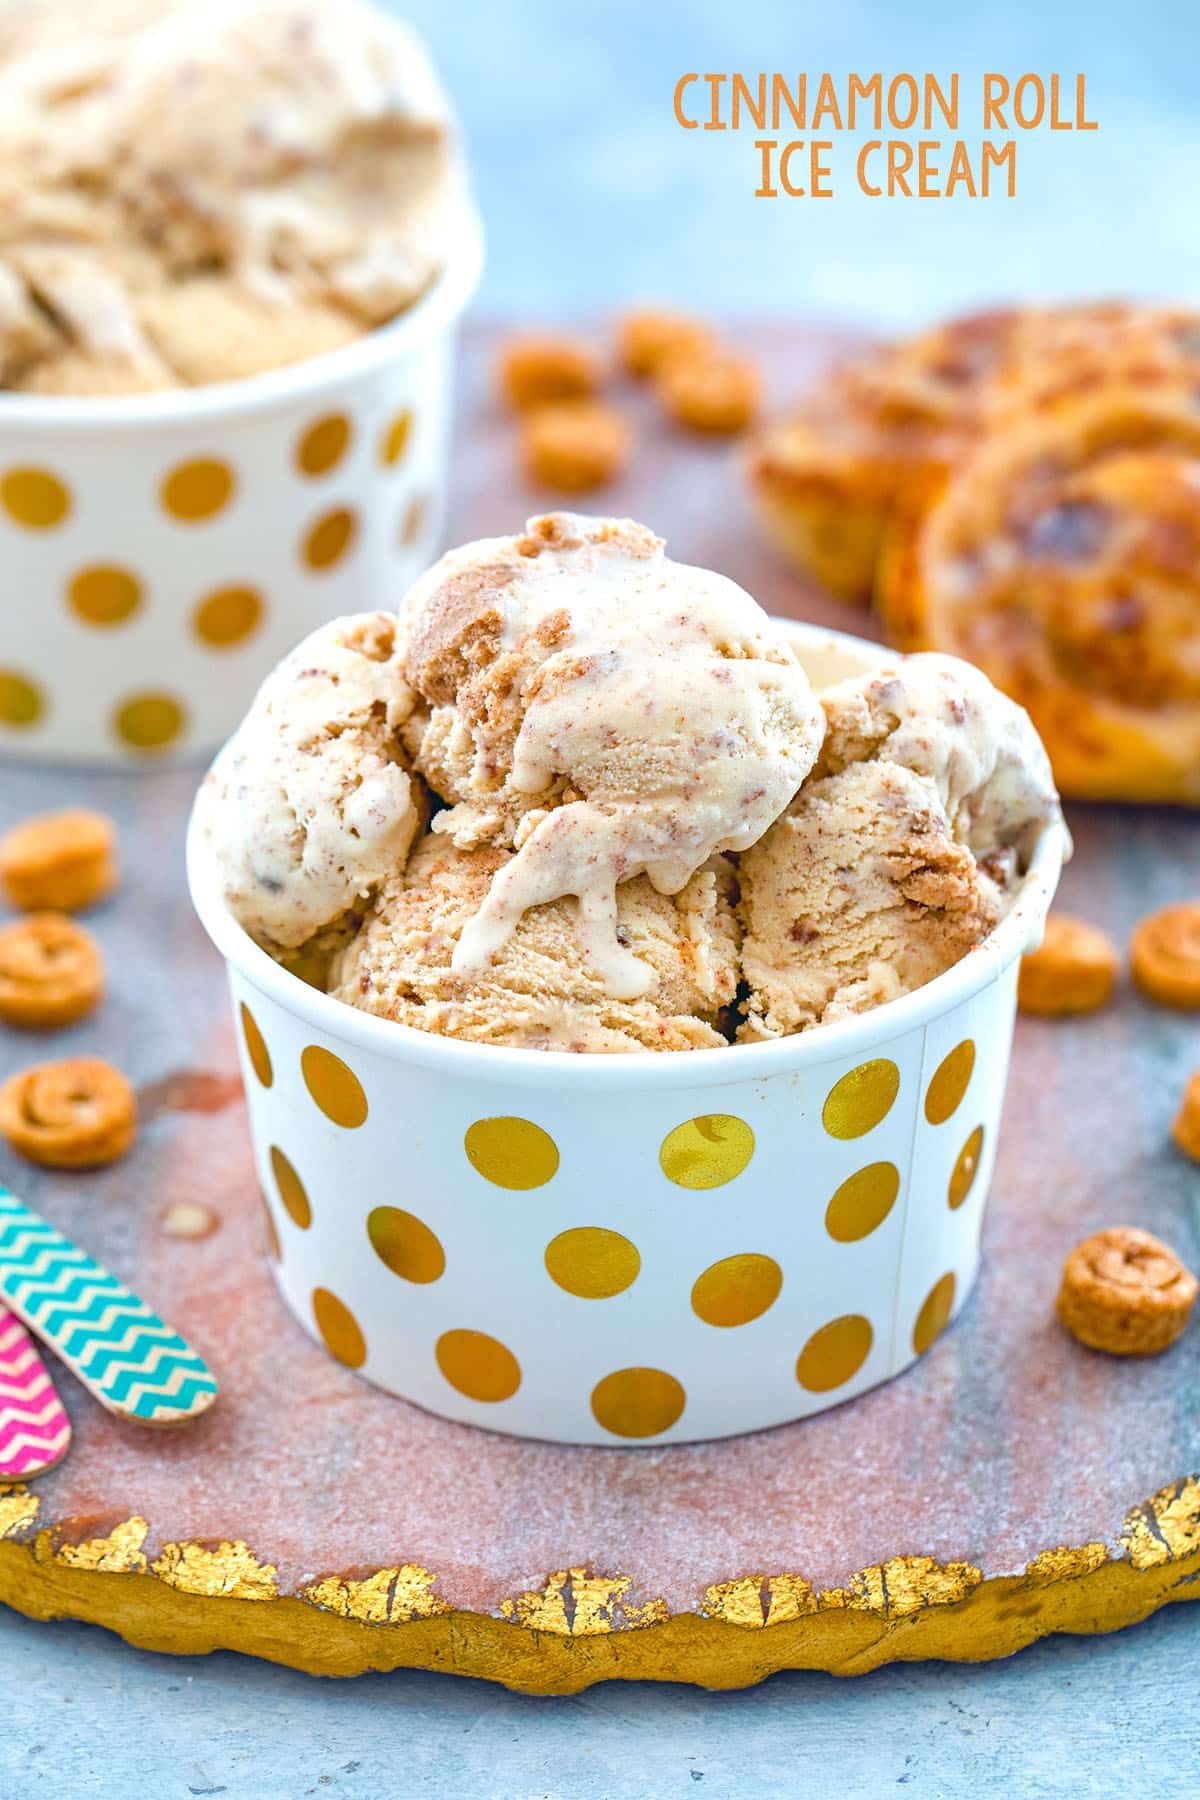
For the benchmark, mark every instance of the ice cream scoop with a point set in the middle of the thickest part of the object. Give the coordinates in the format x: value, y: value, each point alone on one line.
x: 542, y: 991
x: 305, y: 134
x: 606, y: 712
x: 942, y: 718
x: 310, y: 805
x: 299, y: 152
x: 900, y: 854
x: 858, y: 894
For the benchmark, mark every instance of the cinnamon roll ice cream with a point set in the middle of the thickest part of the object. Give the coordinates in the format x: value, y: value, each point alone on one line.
x: 542, y: 989
x: 196, y: 190
x: 645, y: 829
x: 900, y: 854
x: 603, y: 711
x: 312, y: 802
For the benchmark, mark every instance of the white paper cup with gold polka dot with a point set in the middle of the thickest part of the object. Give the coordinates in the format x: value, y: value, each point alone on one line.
x: 162, y: 552
x: 633, y: 1248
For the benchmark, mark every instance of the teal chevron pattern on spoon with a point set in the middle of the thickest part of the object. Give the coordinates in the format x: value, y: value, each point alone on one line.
x: 120, y: 1350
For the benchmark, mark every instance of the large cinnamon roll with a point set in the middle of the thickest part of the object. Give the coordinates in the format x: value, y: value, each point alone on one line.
x: 827, y: 477
x: 1061, y: 553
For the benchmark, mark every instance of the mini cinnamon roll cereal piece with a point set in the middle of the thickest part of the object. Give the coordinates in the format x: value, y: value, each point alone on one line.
x: 574, y: 445
x: 51, y: 972
x: 1165, y: 956
x: 537, y: 367
x: 648, y: 338
x: 77, y: 1114
x: 716, y: 392
x: 1126, y: 1292
x: 189, y: 1219
x: 1073, y: 970
x: 1186, y: 1129
x: 59, y: 861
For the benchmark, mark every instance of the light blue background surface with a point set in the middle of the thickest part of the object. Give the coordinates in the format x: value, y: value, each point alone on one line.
x: 593, y: 195
x: 592, y: 192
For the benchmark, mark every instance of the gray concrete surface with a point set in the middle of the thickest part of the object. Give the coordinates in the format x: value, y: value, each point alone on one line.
x: 1071, y: 1717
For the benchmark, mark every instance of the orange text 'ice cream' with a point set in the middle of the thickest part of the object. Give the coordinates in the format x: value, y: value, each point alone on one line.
x: 607, y: 712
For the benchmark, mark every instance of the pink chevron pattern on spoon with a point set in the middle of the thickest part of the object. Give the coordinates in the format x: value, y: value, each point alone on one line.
x: 35, y: 1432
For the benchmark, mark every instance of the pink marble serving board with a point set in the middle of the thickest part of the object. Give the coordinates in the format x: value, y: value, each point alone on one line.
x: 1007, y: 1439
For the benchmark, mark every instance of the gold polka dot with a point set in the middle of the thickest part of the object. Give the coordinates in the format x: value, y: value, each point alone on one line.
x: 512, y: 1153
x: 291, y: 1190
x: 834, y: 1353
x: 323, y: 445
x: 737, y: 1289
x: 592, y: 1263
x: 334, y: 1086
x: 706, y: 1152
x: 857, y: 1103
x: 395, y: 438
x: 104, y: 594
x: 227, y: 617
x: 328, y: 540
x: 35, y: 498
x: 271, y: 1233
x: 412, y: 522
x: 405, y: 1244
x: 637, y: 1403
x: 339, y: 1328
x: 197, y: 490
x: 950, y: 1081
x: 21, y: 701
x: 965, y: 1170
x: 862, y: 1203
x: 256, y: 1047
x: 478, y: 1366
x: 931, y: 1320
x: 149, y: 721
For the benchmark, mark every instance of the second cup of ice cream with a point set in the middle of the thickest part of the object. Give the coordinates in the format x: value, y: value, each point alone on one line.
x: 229, y: 354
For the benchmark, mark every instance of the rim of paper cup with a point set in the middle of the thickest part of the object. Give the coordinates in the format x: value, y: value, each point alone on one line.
x: 313, y: 376
x: 719, y: 1066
